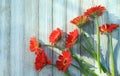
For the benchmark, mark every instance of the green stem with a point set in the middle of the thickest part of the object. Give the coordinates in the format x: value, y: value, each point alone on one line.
x: 78, y: 59
x: 112, y: 55
x: 87, y: 39
x: 73, y: 55
x: 93, y: 53
x: 83, y: 66
x: 53, y: 46
x: 94, y: 56
x: 89, y: 43
x: 67, y: 72
x: 81, y: 69
x: 98, y: 42
x: 80, y: 62
x: 89, y: 51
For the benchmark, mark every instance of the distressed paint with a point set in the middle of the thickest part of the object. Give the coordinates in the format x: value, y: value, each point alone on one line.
x: 5, y: 37
x: 73, y: 10
x: 22, y: 19
x: 31, y: 29
x: 59, y: 21
x: 45, y: 27
x: 17, y: 38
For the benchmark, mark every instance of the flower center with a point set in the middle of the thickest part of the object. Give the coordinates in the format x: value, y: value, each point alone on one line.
x: 65, y: 61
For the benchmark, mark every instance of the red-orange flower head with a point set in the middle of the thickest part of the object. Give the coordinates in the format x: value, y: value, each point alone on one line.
x: 108, y: 28
x: 80, y: 20
x: 96, y: 10
x: 41, y: 60
x: 55, y: 36
x: 34, y: 44
x: 64, y: 61
x: 72, y: 38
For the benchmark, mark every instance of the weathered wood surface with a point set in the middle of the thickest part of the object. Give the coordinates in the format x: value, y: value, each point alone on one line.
x: 22, y: 19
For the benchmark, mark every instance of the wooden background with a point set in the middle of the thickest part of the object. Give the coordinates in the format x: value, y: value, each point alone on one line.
x: 22, y: 19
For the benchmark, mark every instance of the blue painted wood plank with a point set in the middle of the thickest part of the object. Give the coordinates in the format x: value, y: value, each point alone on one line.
x: 59, y: 21
x: 31, y: 29
x: 17, y: 38
x: 117, y: 54
x: 5, y: 37
x: 45, y: 27
x: 115, y: 38
x: 114, y: 17
x: 73, y: 10
x: 103, y: 38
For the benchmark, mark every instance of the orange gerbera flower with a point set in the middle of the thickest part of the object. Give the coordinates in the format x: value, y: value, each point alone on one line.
x: 55, y: 36
x: 108, y: 28
x: 41, y: 60
x: 71, y: 38
x: 34, y: 44
x: 64, y: 61
x: 80, y: 20
x: 96, y: 10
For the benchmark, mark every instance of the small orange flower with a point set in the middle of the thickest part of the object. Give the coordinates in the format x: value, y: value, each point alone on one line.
x: 41, y: 60
x: 112, y: 27
x: 55, y: 36
x: 103, y: 28
x: 108, y: 28
x: 71, y: 38
x: 96, y: 10
x: 80, y: 20
x: 34, y: 44
x: 64, y: 61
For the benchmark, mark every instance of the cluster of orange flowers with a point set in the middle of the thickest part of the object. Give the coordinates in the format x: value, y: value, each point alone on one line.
x: 41, y: 58
x: 92, y: 12
x: 65, y: 60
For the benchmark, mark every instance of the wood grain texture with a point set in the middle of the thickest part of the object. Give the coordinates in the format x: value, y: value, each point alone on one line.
x: 5, y: 37
x: 31, y: 29
x: 45, y: 27
x: 59, y: 21
x: 17, y: 38
x: 104, y: 48
x: 22, y: 19
x: 73, y: 10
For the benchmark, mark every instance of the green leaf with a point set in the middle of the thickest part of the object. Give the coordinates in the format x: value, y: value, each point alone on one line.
x: 94, y: 55
x: 83, y: 65
x: 89, y: 43
x: 81, y: 70
x: 68, y: 73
